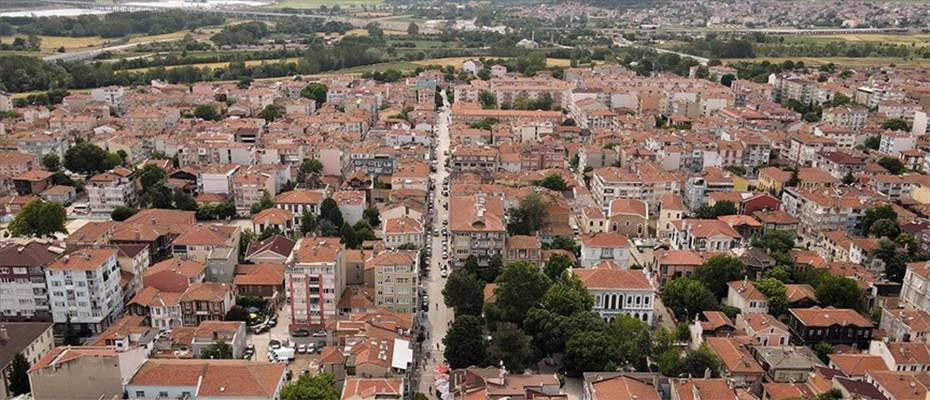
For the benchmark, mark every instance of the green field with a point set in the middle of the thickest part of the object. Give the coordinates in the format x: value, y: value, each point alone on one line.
x: 908, y: 39
x: 841, y: 61
x: 329, y: 3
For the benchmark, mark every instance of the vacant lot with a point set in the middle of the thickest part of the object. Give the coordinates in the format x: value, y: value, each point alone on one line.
x: 328, y: 3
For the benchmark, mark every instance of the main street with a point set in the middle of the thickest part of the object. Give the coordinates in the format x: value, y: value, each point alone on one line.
x: 439, y: 316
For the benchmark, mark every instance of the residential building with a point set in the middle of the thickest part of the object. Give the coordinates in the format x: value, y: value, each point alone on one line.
x: 315, y: 280
x: 704, y: 235
x: 607, y: 246
x: 396, y: 277
x: 84, y: 372
x: 403, y: 231
x: 207, y: 301
x: 835, y: 326
x: 23, y: 291
x: 84, y: 287
x: 523, y: 248
x: 163, y: 309
x: 31, y: 339
x: 477, y: 228
x: 744, y: 296
x: 108, y: 190
x: 207, y: 379
x: 618, y: 291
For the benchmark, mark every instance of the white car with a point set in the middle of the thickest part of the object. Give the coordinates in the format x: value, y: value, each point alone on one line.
x: 444, y: 274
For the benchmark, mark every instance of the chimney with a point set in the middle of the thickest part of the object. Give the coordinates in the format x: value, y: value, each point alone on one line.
x: 4, y: 334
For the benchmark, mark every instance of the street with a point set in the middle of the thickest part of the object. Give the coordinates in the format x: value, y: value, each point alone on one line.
x: 439, y: 316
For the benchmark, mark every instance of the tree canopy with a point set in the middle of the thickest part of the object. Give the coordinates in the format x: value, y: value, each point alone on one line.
x: 38, y: 219
x: 719, y: 270
x: 520, y: 287
x: 686, y: 297
x: 311, y: 387
x: 464, y: 343
x: 464, y: 293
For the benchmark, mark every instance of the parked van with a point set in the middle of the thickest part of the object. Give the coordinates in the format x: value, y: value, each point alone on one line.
x: 284, y: 354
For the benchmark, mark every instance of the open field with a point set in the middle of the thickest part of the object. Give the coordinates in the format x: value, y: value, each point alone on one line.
x: 910, y: 39
x: 222, y: 64
x: 364, y: 32
x: 842, y: 61
x: 457, y: 61
x: 50, y: 44
x: 317, y: 3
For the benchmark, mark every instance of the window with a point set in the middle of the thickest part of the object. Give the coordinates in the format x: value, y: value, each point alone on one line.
x: 140, y: 393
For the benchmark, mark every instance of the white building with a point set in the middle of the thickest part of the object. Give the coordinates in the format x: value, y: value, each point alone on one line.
x: 85, y: 285
x: 108, y: 190
x: 914, y: 289
x: 112, y: 95
x: 401, y: 231
x: 217, y: 178
x: 605, y: 246
x: 207, y: 379
x: 315, y: 280
x: 894, y: 142
x: 619, y: 291
x: 744, y: 295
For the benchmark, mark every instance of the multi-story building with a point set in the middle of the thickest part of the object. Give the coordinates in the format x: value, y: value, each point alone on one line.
x: 402, y: 231
x: 895, y: 142
x: 31, y: 339
x: 523, y: 248
x: 810, y: 326
x: 704, y: 235
x: 315, y: 280
x: 23, y: 294
x: 824, y: 209
x: 474, y: 158
x: 646, y: 182
x: 206, y: 379
x: 207, y: 301
x: 605, y: 246
x: 915, y: 289
x: 396, y: 278
x: 84, y: 287
x: 618, y: 291
x: 850, y: 117
x: 163, y: 309
x: 477, y: 228
x: 109, y: 190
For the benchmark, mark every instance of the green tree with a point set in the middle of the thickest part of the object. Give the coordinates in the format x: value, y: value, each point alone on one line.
x: 51, y: 162
x: 876, y: 213
x: 885, y: 228
x: 263, y: 203
x: 329, y: 211
x: 556, y: 265
x: 464, y: 293
x: 183, y: 201
x: 775, y: 242
x: 271, y: 112
x: 700, y: 360
x: 568, y: 296
x: 413, y: 29
x: 894, y: 259
x: 372, y: 215
x: 348, y: 236
x: 218, y: 350
x: 311, y: 387
x: 86, y: 158
x: 873, y: 142
x: 363, y: 232
x: 493, y: 269
x: 71, y: 337
x: 207, y: 112
x: 151, y: 175
x: 633, y: 341
x: 38, y: 219
x: 464, y: 343
x: 588, y: 351
x: 121, y: 213
x: 687, y: 297
x: 246, y: 237
x: 823, y: 351
x: 315, y: 91
x: 896, y: 124
x: 893, y: 165
x: 520, y: 287
x: 552, y: 182
x: 374, y: 31
x: 510, y: 346
x: 311, y: 166
x: 19, y: 375
x: 777, y: 297
x: 719, y: 270
x: 780, y: 273
x: 487, y: 99
x: 840, y: 292
x: 308, y: 222
x: 718, y: 209
x: 528, y: 216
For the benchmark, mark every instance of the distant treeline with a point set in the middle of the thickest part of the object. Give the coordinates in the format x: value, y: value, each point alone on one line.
x: 251, y: 33
x: 113, y: 25
x: 759, y: 45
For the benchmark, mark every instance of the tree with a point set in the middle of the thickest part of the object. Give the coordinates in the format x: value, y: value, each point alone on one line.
x: 840, y: 292
x: 873, y: 142
x: 510, y: 346
x: 413, y: 29
x: 698, y: 361
x: 246, y: 237
x: 493, y: 269
x: 374, y: 31
x: 893, y: 165
x: 876, y: 213
x: 567, y: 296
x: 885, y: 228
x: 329, y: 211
x: 777, y: 296
x: 308, y: 222
x: 464, y: 293
x: 528, y: 216
x: 727, y: 79
x: 719, y: 270
x: 487, y: 99
x: 633, y: 342
x: 464, y: 342
x: 556, y: 265
x: 552, y: 182
x: 566, y: 243
x: 348, y: 236
x: 895, y: 260
x: 311, y: 387
x: 588, y: 351
x: 70, y: 335
x: 687, y: 297
x: 372, y: 215
x: 896, y: 124
x: 39, y: 218
x: 51, y: 162
x: 823, y: 351
x: 207, y: 112
x: 520, y: 287
x: 269, y: 231
x: 472, y: 265
x: 718, y: 209
x: 315, y: 91
x: 122, y: 213
x: 779, y: 273
x: 85, y: 158
x: 311, y: 166
x: 264, y: 203
x: 19, y: 375
x: 218, y: 350
x: 793, y: 179
x: 271, y: 112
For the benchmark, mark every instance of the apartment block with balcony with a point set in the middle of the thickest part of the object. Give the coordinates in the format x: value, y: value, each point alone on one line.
x: 85, y: 287
x: 315, y: 280
x: 108, y: 190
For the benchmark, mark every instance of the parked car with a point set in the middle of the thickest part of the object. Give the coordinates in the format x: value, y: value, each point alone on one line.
x: 445, y: 273
x: 319, y: 333
x: 302, y: 349
x: 301, y: 333
x: 274, y: 344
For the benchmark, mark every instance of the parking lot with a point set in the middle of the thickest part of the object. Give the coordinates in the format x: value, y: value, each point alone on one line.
x: 302, y: 362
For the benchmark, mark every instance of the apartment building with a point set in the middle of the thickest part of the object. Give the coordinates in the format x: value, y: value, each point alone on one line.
x: 206, y: 301
x: 477, y: 227
x: 647, y: 182
x: 605, y: 246
x: 108, y: 190
x: 850, y: 117
x: 315, y: 280
x: 23, y: 294
x: 396, y: 278
x: 85, y: 287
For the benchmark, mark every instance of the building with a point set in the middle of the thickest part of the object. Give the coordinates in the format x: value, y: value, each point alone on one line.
x: 646, y: 182
x: 477, y: 228
x: 902, y: 356
x: 84, y: 287
x: 163, y: 309
x: 396, y: 280
x: 264, y: 280
x: 275, y: 249
x: 671, y: 264
x: 372, y: 389
x: 744, y: 295
x: 207, y: 379
x: 83, y: 373
x: 783, y: 364
x: 741, y: 370
x: 609, y: 246
x: 108, y: 190
x: 403, y: 231
x: 629, y: 217
x: 810, y: 326
x: 704, y: 235
x: 207, y: 301
x: 914, y: 290
x: 23, y: 291
x: 523, y: 248
x: 905, y: 324
x: 31, y: 339
x: 618, y: 291
x: 315, y: 281
x: 616, y: 386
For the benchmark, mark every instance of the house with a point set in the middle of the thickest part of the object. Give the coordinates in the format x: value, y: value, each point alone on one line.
x: 906, y: 325
x: 523, y: 248
x: 629, y: 217
x: 206, y: 301
x: 473, y: 66
x: 800, y: 295
x: 764, y: 329
x: 855, y: 366
x: 276, y: 219
x: 200, y: 242
x: 830, y: 325
x: 744, y: 295
x: 207, y: 379
x: 264, y: 280
x: 902, y: 356
x: 403, y: 231
x: 914, y: 290
x: 616, y: 386
x: 84, y: 287
x: 163, y: 309
x: 699, y: 389
x: 396, y: 277
x: 174, y: 275
x: 784, y: 364
x: 32, y: 182
x: 352, y: 204
x: 497, y: 383
x: 275, y: 249
x: 710, y: 324
x: 618, y: 291
x: 671, y: 209
x: 83, y: 372
x: 737, y: 363
x: 671, y: 264
x: 210, y: 332
x: 31, y: 339
x: 607, y: 246
x: 776, y: 220
x: 298, y: 200
x: 704, y: 235
x: 372, y: 389
x: 895, y: 385
x: 60, y: 194
x: 22, y: 271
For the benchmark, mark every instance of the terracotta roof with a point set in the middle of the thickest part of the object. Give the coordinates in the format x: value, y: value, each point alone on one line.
x: 523, y: 242
x: 716, y: 389
x: 788, y: 391
x: 622, y: 388
x: 605, y: 239
x: 909, y: 352
x: 703, y: 228
x: 213, y: 378
x: 274, y: 216
x: 370, y: 389
x: 299, y: 196
x: 265, y: 274
x: 736, y: 359
x: 829, y: 316
x: 207, y: 235
x: 607, y: 275
x: 476, y: 213
x: 88, y: 259
x: 151, y: 297
x: 318, y: 250
x: 857, y: 364
x: 32, y: 254
x: 747, y: 290
x: 759, y: 322
x: 402, y: 225
x: 65, y: 354
x: 206, y: 291
x: 679, y: 257
x: 629, y: 206
x: 276, y: 244
x: 34, y: 175
x: 902, y: 385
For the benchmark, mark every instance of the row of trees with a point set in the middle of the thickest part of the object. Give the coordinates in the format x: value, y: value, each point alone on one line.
x: 112, y: 25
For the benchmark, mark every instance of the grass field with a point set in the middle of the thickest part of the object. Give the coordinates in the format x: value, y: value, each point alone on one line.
x: 457, y: 61
x: 364, y: 32
x: 223, y: 64
x: 842, y: 61
x: 317, y: 3
x: 915, y: 39
x: 50, y: 44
